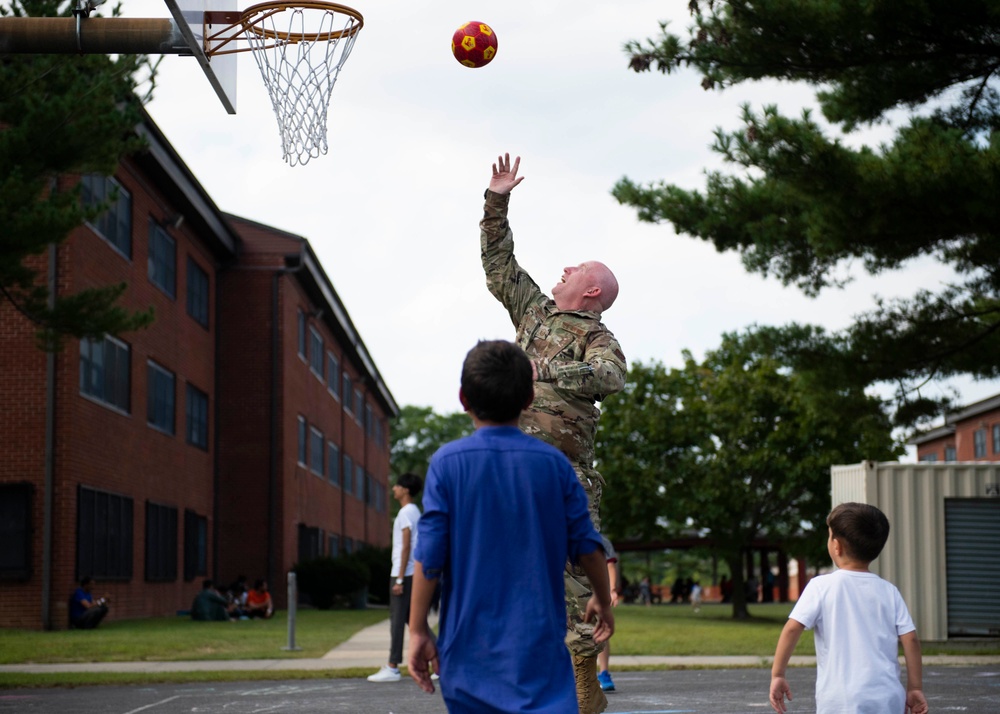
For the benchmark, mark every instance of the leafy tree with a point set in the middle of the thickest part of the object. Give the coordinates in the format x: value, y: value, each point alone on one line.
x: 803, y: 207
x: 60, y: 115
x: 418, y: 432
x: 745, y: 453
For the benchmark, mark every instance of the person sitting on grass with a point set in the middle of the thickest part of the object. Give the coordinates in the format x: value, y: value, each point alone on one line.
x: 259, y: 601
x: 86, y: 613
x: 210, y: 605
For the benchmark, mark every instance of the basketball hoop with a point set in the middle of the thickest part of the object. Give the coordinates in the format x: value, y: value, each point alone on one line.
x: 300, y: 48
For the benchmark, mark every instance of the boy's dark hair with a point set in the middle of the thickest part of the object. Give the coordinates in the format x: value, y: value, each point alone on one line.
x: 206, y: 584
x: 496, y: 381
x: 85, y: 581
x: 411, y: 482
x: 860, y: 528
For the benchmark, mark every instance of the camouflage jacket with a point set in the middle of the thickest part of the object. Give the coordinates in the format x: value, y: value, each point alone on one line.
x: 578, y: 360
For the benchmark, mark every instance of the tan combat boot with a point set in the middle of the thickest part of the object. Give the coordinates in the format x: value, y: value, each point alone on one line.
x: 589, y: 694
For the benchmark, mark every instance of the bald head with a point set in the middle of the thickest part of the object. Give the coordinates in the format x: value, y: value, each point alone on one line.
x: 587, y: 286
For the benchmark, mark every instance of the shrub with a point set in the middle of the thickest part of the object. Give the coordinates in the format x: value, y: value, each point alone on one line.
x: 379, y: 562
x: 325, y: 579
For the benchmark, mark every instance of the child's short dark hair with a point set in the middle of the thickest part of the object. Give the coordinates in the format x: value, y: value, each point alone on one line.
x: 860, y: 528
x: 411, y: 482
x: 496, y: 381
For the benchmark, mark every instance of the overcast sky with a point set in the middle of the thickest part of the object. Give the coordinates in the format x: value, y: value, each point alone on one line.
x: 392, y: 210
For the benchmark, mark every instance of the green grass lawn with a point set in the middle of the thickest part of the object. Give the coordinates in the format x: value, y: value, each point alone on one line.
x: 656, y: 630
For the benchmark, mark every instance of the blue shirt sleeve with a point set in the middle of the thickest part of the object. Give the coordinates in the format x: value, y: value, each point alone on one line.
x: 433, y: 528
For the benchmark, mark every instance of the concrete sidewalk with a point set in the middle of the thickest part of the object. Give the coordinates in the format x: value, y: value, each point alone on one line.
x: 369, y: 648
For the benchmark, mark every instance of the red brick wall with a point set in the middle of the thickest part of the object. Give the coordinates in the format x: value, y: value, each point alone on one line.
x: 98, y: 446
x: 964, y: 439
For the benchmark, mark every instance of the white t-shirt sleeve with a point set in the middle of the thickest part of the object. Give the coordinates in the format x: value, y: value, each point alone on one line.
x: 904, y: 623
x: 807, y: 608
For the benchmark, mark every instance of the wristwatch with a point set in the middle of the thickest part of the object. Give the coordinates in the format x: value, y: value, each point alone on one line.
x: 399, y: 581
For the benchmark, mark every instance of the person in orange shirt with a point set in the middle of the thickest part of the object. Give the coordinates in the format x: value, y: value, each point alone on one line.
x: 259, y: 601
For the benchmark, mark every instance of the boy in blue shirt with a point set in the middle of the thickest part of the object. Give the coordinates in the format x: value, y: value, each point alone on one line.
x: 503, y: 511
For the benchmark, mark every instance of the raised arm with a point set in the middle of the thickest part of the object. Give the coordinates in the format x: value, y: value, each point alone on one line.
x: 505, y: 176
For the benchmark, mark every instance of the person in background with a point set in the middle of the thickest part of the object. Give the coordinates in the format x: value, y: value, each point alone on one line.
x: 209, y: 605
x: 404, y: 540
x: 259, y: 602
x: 604, y: 656
x: 85, y: 612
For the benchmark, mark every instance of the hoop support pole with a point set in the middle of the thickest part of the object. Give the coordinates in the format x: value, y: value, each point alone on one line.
x: 96, y: 35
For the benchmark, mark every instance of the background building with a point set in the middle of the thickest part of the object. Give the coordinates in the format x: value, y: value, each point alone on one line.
x: 970, y: 434
x: 246, y: 428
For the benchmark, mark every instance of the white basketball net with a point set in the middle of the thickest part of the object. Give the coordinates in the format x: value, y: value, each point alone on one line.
x: 300, y: 50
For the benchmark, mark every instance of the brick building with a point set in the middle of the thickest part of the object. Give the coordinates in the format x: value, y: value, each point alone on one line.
x: 246, y: 428
x: 970, y: 434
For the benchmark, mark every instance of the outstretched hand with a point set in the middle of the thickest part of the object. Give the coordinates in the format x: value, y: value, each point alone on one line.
x: 602, y: 617
x: 504, y: 177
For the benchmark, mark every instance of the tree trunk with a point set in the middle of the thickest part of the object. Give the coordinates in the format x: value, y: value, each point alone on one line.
x: 735, y: 562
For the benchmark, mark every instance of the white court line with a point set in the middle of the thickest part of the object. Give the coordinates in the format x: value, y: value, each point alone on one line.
x: 154, y: 704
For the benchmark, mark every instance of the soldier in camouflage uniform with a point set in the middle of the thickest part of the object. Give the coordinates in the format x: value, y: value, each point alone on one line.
x: 577, y: 362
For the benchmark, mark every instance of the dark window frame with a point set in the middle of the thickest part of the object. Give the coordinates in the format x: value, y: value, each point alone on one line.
x: 195, y: 545
x: 161, y: 401
x: 161, y: 543
x: 16, y: 530
x: 979, y: 443
x: 114, y: 225
x: 196, y: 417
x: 317, y: 353
x: 107, y: 378
x: 198, y: 289
x: 333, y: 464
x: 317, y: 451
x: 104, y: 532
x: 161, y: 261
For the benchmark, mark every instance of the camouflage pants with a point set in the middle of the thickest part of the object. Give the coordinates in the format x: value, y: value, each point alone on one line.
x: 579, y: 634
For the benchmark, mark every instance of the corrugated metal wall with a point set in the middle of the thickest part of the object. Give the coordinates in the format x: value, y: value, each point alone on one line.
x: 913, y: 498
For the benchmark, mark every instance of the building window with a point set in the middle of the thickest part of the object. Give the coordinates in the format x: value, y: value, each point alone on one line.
x: 15, y: 531
x: 196, y: 416
x: 104, y: 371
x: 333, y: 546
x: 333, y: 375
x: 359, y: 481
x: 979, y: 443
x: 369, y: 490
x: 161, y: 542
x: 379, y: 433
x: 359, y: 405
x: 103, y: 535
x: 301, y: 316
x: 348, y: 546
x: 333, y: 463
x: 197, y: 293
x: 195, y: 545
x: 346, y: 390
x: 316, y: 452
x: 115, y: 224
x: 996, y: 438
x: 162, y: 261
x: 310, y: 543
x: 316, y: 353
x: 949, y: 453
x: 369, y: 427
x: 303, y: 441
x: 929, y: 458
x: 160, y: 398
x: 348, y: 474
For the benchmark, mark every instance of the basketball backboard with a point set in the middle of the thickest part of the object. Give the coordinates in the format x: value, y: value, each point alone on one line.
x: 220, y: 69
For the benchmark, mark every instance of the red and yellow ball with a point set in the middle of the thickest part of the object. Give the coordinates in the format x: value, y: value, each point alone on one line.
x: 474, y: 44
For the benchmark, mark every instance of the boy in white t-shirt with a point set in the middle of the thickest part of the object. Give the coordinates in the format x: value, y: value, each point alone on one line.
x: 859, y: 620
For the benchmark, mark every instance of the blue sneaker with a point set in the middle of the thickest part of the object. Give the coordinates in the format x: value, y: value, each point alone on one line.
x: 604, y: 679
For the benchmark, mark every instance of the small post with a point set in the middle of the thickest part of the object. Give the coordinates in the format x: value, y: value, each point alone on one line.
x: 293, y: 598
